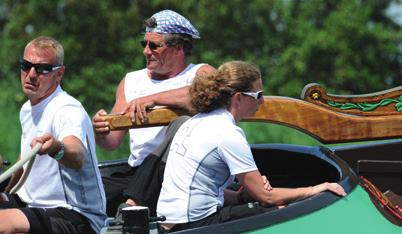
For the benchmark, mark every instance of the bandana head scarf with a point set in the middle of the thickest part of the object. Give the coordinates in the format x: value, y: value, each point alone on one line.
x: 168, y: 21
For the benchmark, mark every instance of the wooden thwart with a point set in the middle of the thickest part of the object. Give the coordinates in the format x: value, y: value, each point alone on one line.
x: 156, y: 117
x: 324, y: 124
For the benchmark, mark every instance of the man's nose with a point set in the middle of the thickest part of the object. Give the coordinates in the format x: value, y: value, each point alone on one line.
x: 147, y: 50
x: 32, y: 72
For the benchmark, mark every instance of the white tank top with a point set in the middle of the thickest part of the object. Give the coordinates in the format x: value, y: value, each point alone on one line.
x: 138, y: 84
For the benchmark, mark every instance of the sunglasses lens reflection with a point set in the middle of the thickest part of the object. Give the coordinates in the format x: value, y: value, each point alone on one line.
x: 25, y: 65
x: 153, y: 46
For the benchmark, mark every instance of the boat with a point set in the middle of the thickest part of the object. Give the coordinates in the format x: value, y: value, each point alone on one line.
x: 368, y: 167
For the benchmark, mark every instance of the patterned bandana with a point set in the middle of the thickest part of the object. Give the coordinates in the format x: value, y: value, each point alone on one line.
x: 168, y: 21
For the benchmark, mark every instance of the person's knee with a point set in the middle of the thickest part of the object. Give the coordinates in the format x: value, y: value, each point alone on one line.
x: 13, y: 221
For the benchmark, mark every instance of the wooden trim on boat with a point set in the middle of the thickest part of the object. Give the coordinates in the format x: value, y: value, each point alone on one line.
x: 324, y: 124
x: 387, y: 102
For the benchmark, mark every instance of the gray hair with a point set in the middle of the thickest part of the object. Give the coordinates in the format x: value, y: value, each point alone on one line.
x: 48, y: 43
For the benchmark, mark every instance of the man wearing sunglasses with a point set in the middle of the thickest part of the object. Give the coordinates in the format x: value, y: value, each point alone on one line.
x: 63, y: 192
x: 165, y: 81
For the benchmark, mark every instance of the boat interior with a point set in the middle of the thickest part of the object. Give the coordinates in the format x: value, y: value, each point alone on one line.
x: 285, y: 166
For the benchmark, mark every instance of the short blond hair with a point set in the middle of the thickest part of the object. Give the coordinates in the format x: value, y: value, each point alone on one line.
x: 49, y: 43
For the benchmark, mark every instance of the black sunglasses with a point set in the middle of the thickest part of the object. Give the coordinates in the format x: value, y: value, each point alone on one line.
x: 40, y: 68
x: 151, y: 45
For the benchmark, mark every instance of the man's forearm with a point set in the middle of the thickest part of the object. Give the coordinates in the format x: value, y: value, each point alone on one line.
x: 110, y: 141
x: 178, y: 98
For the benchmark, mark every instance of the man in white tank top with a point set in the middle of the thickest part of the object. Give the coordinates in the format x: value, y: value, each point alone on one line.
x: 63, y: 192
x: 164, y: 82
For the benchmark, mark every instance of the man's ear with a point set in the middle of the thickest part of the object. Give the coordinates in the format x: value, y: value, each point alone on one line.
x: 60, y: 73
x: 180, y: 47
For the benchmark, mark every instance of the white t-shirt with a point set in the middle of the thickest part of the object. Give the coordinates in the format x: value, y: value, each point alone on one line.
x: 50, y: 184
x: 206, y: 153
x: 138, y: 84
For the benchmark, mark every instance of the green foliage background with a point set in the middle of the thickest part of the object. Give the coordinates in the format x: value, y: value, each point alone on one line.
x: 349, y: 46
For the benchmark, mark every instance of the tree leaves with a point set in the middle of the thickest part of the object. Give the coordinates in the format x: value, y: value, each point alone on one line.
x: 347, y: 46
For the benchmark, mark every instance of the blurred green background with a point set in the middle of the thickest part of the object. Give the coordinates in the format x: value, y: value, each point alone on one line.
x: 348, y: 46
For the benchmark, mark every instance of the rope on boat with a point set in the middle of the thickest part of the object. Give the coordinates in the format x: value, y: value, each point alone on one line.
x: 18, y: 165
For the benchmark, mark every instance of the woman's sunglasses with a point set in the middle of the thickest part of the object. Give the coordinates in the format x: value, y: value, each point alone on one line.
x: 256, y: 95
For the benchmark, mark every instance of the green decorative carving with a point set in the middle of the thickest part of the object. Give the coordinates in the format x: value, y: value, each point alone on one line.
x: 364, y: 106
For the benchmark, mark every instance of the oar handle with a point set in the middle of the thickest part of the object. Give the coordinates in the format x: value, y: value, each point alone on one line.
x: 20, y: 163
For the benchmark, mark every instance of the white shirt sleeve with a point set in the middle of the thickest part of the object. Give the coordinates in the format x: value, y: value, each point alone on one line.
x: 69, y: 121
x: 236, y: 152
